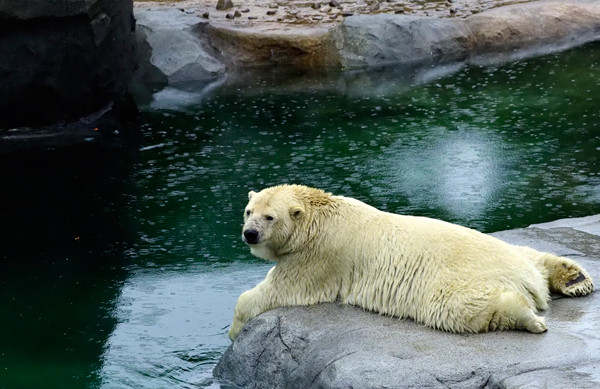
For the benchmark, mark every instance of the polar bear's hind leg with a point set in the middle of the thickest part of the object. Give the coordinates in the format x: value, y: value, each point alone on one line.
x: 512, y: 312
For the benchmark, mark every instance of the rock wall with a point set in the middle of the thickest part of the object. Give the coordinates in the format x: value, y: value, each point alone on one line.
x: 63, y: 59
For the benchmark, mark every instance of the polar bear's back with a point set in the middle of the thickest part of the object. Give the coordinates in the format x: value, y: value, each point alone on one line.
x: 409, y: 266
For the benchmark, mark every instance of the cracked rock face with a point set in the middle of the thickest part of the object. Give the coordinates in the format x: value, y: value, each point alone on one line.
x: 334, y: 345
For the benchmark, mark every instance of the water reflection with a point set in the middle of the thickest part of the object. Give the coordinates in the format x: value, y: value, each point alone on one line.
x: 460, y: 173
x: 380, y: 82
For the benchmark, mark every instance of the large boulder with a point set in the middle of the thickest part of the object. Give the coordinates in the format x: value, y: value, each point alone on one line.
x: 339, y: 346
x: 63, y: 59
x: 559, y: 24
x: 264, y: 45
x: 502, y: 33
x: 171, y: 47
x: 376, y: 40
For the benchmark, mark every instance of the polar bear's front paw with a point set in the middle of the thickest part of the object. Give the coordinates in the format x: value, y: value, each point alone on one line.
x: 234, y: 331
x: 537, y: 326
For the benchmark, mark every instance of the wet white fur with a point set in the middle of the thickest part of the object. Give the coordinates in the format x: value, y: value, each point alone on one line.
x: 443, y: 275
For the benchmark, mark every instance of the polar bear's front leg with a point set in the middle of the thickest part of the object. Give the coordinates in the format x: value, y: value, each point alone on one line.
x: 253, y: 302
x: 250, y: 304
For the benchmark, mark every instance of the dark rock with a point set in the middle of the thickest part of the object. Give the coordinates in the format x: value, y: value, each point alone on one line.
x: 334, y: 3
x: 62, y: 60
x: 237, y: 14
x: 223, y: 5
x: 338, y: 346
x: 229, y: 16
x: 271, y: 12
x: 206, y: 15
x: 246, y: 10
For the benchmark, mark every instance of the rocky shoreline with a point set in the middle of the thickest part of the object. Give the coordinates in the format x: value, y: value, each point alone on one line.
x: 184, y: 45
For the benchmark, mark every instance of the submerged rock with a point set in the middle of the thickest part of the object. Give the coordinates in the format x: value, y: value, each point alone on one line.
x: 334, y: 345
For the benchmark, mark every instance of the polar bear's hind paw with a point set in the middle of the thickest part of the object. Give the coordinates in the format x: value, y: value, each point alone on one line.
x: 579, y: 286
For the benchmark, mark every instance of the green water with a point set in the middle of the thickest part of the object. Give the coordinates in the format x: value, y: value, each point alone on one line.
x: 119, y: 268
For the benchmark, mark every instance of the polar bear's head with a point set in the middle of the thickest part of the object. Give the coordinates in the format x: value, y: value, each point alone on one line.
x: 271, y: 218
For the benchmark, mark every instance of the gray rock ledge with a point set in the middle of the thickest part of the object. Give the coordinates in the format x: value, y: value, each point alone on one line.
x: 498, y: 34
x: 180, y: 47
x: 339, y: 346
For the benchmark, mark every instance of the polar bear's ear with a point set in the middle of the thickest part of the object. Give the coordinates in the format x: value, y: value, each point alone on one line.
x: 250, y: 194
x: 296, y: 212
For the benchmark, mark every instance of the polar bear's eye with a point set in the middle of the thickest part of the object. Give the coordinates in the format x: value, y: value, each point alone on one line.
x: 269, y: 217
x: 248, y: 212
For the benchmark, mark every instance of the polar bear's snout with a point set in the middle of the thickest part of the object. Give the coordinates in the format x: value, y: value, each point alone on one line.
x: 250, y: 236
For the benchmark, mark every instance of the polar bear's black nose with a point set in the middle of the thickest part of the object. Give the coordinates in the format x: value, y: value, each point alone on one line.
x: 251, y: 236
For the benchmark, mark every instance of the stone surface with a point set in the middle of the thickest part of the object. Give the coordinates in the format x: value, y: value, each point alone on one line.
x: 171, y: 49
x: 497, y: 34
x: 268, y: 45
x: 376, y: 40
x: 333, y: 345
x: 536, y: 23
x: 62, y: 60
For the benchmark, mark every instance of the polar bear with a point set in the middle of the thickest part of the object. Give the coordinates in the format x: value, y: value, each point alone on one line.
x: 445, y: 276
